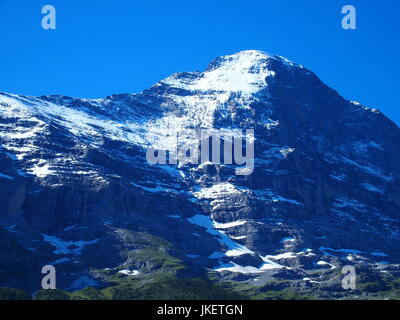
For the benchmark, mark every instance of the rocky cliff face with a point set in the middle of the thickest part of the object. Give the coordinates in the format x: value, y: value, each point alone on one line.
x: 77, y: 191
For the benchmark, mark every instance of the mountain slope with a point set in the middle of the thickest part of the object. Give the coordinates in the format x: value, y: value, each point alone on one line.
x: 78, y: 192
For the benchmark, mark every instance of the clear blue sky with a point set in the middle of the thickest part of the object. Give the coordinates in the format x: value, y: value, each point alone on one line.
x: 116, y: 46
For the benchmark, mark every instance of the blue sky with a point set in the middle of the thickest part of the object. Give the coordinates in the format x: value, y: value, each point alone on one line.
x: 105, y: 47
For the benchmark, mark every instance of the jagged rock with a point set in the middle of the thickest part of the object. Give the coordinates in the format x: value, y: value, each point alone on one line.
x: 325, y: 186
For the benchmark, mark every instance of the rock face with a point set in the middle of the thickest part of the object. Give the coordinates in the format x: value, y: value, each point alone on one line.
x: 75, y: 181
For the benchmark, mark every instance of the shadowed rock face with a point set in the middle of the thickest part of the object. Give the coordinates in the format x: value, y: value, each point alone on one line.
x: 75, y: 181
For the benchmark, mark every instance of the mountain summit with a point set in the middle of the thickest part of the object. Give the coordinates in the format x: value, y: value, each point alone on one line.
x: 78, y: 193
x: 246, y: 71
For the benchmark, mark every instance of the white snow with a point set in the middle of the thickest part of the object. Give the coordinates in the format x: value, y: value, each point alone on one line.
x: 217, y: 191
x: 241, y: 74
x: 324, y: 263
x: 63, y: 247
x: 233, y: 267
x: 286, y: 255
x: 41, y: 170
x: 79, y: 122
x: 204, y: 164
x: 285, y: 152
x: 233, y: 248
x: 229, y: 224
x: 269, y: 264
x: 289, y: 255
x: 129, y: 272
x: 236, y: 249
x: 245, y: 71
x: 24, y: 133
x: 238, y: 237
x: 311, y: 281
x: 288, y: 239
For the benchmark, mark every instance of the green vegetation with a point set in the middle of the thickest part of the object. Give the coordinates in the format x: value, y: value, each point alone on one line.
x: 285, y: 294
x: 272, y: 290
x: 13, y: 294
x: 165, y: 285
x: 163, y: 276
x: 375, y: 284
x: 171, y: 288
x: 157, y: 259
x: 88, y: 293
x: 51, y: 294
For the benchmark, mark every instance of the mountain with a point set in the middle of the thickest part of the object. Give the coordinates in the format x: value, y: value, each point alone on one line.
x: 78, y: 192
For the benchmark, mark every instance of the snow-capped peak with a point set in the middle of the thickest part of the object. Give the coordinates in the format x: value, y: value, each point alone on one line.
x: 246, y: 71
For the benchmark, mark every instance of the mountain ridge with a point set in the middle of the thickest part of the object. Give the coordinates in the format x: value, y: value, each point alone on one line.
x: 324, y: 191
